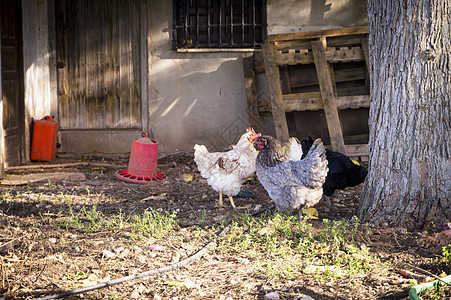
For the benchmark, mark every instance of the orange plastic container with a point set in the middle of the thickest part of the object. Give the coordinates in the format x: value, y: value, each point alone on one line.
x: 43, y: 144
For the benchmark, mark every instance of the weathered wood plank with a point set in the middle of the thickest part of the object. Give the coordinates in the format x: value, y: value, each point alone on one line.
x: 317, y: 34
x: 327, y: 94
x: 292, y: 58
x: 313, y: 101
x: 357, y: 150
x: 275, y: 92
x: 115, y: 75
x: 285, y: 79
x: 366, y: 52
x: 336, y: 41
x: 249, y: 81
x: 135, y: 56
x: 80, y: 95
x: 145, y: 126
x: 125, y: 65
x: 352, y: 91
x: 303, y: 101
x: 99, y: 57
x: 332, y: 56
x: 353, y: 101
x: 100, y: 90
x: 109, y: 58
x: 259, y: 67
x: 62, y: 68
x: 92, y: 75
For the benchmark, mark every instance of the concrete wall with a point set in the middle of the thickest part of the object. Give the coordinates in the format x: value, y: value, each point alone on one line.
x: 40, y: 96
x: 193, y: 97
x: 285, y: 16
x: 201, y: 97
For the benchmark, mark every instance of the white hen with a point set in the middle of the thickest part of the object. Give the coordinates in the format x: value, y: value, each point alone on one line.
x: 226, y: 171
x: 292, y: 149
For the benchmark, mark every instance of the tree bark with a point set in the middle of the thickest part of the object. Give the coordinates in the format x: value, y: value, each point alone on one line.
x: 409, y: 180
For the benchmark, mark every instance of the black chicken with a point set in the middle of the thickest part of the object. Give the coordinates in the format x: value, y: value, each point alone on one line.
x: 343, y: 172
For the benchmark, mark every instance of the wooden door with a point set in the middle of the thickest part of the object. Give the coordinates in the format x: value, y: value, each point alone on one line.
x: 98, y: 50
x: 12, y: 81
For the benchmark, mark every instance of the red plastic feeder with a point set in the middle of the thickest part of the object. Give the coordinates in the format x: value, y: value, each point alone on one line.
x: 142, y: 167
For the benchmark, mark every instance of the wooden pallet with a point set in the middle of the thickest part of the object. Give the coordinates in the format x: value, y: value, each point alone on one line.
x: 323, y: 49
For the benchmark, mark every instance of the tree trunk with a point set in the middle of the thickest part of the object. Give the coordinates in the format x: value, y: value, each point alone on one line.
x: 409, y: 180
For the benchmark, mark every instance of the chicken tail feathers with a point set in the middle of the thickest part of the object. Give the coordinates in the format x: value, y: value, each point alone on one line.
x: 202, y: 159
x: 314, y: 166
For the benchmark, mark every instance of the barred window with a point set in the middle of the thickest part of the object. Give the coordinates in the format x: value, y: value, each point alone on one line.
x: 219, y: 23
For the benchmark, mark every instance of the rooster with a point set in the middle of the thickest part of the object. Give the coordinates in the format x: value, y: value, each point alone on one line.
x: 292, y: 184
x: 226, y: 171
x: 343, y: 172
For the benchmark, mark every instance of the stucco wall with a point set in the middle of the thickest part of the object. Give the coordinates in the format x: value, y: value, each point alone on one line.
x: 286, y: 16
x: 193, y: 97
x: 201, y: 97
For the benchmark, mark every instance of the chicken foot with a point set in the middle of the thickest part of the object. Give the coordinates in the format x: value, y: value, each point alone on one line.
x: 221, y: 203
x: 329, y: 203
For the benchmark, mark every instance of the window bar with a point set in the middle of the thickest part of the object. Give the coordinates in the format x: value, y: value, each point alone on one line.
x: 221, y: 10
x: 197, y: 22
x: 264, y: 24
x: 242, y: 21
x: 186, y: 22
x: 208, y: 24
x: 231, y: 23
x: 175, y: 20
x: 254, y: 30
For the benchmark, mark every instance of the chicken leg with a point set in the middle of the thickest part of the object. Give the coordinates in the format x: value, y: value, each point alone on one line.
x: 231, y: 202
x: 329, y: 203
x: 220, y: 202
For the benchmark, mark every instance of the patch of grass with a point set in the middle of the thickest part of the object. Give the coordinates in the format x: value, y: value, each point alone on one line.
x: 90, y: 220
x: 446, y: 252
x: 284, y: 248
x: 439, y: 291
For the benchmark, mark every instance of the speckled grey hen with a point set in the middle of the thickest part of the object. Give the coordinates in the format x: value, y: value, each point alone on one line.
x: 292, y: 185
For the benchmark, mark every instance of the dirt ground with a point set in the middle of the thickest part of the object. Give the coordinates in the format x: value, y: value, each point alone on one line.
x: 38, y: 259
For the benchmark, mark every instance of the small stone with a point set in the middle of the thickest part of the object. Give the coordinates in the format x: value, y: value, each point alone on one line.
x: 92, y: 277
x: 125, y: 252
x: 141, y: 288
x: 53, y: 240
x: 272, y: 296
x: 175, y: 257
x: 108, y: 254
x: 155, y: 247
x: 119, y: 250
x: 141, y: 259
x: 157, y: 297
x: 135, y: 295
x: 307, y: 298
x: 257, y: 207
x: 263, y: 231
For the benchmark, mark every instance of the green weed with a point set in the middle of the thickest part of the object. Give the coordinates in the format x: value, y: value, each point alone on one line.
x: 446, y: 252
x: 289, y: 247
